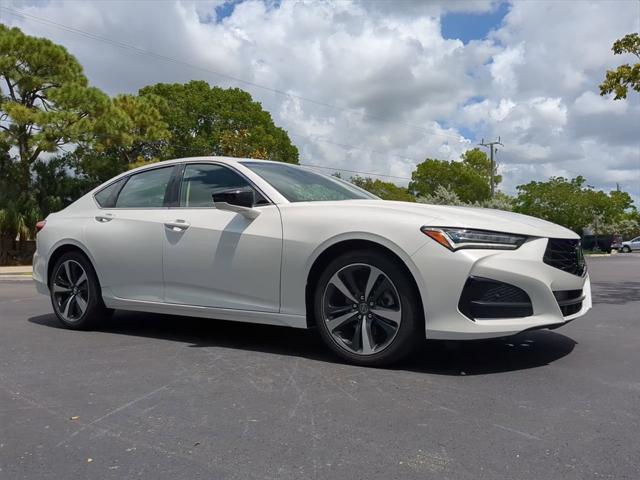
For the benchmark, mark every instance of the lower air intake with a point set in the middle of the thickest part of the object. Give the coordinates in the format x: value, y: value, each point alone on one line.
x: 483, y: 298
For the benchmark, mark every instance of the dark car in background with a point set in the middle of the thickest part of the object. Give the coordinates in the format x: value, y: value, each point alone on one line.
x: 616, y: 243
x: 597, y: 243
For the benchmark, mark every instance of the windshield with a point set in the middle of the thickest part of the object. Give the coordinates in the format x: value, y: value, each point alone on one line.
x: 297, y: 184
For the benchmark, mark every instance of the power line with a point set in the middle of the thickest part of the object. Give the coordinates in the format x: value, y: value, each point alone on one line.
x: 159, y: 56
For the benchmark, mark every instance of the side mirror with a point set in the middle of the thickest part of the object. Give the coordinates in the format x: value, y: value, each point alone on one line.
x: 239, y: 200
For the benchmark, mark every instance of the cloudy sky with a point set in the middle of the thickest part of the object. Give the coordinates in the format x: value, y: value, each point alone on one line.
x: 379, y: 85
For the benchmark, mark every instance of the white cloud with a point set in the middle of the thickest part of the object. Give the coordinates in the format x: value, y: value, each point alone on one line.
x: 589, y: 104
x: 400, y: 91
x: 503, y: 67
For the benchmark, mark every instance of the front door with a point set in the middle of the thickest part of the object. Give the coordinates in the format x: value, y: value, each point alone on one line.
x: 217, y: 258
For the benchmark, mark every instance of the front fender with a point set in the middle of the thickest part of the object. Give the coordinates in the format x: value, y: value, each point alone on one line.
x: 370, y: 237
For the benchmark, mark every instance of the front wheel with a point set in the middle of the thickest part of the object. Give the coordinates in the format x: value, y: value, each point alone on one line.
x: 626, y: 249
x: 75, y: 292
x: 367, y: 310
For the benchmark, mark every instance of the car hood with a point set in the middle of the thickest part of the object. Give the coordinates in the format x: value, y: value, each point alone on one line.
x: 469, y: 217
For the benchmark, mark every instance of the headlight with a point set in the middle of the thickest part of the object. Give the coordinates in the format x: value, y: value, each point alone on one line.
x: 457, y: 238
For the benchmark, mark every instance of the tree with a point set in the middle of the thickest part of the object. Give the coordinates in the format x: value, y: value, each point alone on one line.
x: 138, y: 136
x: 468, y: 178
x: 205, y: 120
x: 53, y: 188
x: 46, y: 102
x: 628, y: 227
x: 500, y: 201
x: 46, y: 105
x: 573, y: 204
x: 457, y: 177
x: 558, y: 200
x: 478, y: 161
x: 442, y: 196
x: 239, y: 143
x: 626, y: 76
x: 384, y: 190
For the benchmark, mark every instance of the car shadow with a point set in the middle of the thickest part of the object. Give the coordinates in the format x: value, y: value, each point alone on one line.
x: 478, y: 357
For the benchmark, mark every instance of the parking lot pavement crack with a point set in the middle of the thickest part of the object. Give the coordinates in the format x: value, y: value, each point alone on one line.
x: 293, y: 382
x: 32, y: 402
x: 114, y: 411
x: 517, y: 432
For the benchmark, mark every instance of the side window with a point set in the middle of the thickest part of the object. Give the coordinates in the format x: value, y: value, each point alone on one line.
x: 146, y: 189
x: 106, y: 197
x: 201, y: 181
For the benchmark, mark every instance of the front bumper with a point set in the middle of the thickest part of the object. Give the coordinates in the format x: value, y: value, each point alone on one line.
x: 444, y: 273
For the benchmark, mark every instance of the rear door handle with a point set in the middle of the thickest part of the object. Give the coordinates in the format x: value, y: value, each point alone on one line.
x: 107, y: 217
x: 177, y: 225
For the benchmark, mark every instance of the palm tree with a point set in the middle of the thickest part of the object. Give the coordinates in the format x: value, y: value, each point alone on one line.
x: 17, y: 222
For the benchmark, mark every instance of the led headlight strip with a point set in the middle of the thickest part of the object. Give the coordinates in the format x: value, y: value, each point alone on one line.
x: 459, y: 238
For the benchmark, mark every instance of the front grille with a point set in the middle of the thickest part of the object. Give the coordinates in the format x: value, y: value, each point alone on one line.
x: 569, y: 301
x: 565, y: 255
x: 485, y: 298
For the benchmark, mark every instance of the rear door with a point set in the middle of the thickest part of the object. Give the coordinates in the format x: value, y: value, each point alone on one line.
x: 126, y: 236
x: 217, y: 258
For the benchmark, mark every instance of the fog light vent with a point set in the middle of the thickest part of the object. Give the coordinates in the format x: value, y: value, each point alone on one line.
x: 483, y: 298
x: 569, y: 301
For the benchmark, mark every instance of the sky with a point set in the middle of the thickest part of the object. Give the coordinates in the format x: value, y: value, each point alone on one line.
x: 379, y: 85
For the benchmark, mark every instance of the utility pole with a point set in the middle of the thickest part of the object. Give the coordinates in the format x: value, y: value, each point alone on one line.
x: 491, y: 146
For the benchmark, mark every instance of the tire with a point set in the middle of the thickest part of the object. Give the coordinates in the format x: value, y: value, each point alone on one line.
x: 76, y: 301
x: 626, y: 249
x: 389, y: 316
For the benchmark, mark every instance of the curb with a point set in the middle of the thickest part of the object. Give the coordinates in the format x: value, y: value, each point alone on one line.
x: 10, y: 277
x: 17, y: 270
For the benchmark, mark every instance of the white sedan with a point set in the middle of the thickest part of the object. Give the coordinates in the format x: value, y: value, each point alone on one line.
x: 267, y: 242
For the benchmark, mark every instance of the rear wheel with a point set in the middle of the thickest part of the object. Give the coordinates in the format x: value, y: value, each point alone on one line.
x: 366, y: 309
x: 75, y: 292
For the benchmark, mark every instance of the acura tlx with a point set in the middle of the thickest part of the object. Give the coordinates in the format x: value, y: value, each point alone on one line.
x: 267, y: 242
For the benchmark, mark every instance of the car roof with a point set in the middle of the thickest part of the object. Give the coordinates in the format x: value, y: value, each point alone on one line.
x: 219, y: 159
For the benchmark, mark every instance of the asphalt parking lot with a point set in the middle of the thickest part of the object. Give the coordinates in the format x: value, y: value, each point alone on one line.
x: 154, y: 396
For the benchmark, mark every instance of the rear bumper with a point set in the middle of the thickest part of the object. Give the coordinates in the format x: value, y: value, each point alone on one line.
x: 444, y: 275
x: 39, y: 274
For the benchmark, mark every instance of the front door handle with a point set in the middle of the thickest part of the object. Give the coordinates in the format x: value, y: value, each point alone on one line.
x: 107, y: 217
x: 177, y: 225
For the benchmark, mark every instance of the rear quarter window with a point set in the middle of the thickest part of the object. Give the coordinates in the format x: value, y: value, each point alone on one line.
x: 106, y: 197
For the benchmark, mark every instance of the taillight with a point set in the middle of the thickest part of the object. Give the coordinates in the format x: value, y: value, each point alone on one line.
x: 40, y: 225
